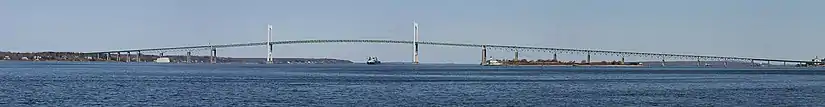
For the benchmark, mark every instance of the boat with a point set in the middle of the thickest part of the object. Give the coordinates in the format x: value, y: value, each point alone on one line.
x: 163, y: 60
x: 492, y: 62
x: 373, y: 60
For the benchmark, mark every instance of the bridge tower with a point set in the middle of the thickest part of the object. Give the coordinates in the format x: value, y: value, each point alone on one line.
x: 269, y: 59
x: 415, y: 43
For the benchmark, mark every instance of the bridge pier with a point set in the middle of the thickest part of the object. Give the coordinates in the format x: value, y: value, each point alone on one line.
x: 189, y: 57
x: 269, y: 58
x: 725, y: 63
x: 161, y: 54
x: 698, y: 62
x: 128, y: 56
x: 213, y: 58
x: 663, y: 62
x: 118, y: 57
x: 588, y: 58
x: 139, y: 56
x: 753, y: 63
x: 555, y: 57
x: 515, y: 59
x: 622, y: 61
x: 483, y: 55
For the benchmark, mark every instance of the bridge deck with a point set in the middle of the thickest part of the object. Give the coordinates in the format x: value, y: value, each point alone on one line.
x: 663, y: 55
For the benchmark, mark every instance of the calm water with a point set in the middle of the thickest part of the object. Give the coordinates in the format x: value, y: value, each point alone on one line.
x: 112, y: 84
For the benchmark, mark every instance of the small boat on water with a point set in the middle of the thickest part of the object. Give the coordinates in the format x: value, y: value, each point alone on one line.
x: 492, y: 62
x: 373, y: 60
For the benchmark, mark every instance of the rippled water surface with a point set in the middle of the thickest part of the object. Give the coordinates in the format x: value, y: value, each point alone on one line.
x: 119, y: 84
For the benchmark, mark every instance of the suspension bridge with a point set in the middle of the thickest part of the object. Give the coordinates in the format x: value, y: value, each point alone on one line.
x: 415, y: 43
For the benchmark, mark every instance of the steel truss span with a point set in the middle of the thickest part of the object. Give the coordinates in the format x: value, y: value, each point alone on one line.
x: 558, y: 50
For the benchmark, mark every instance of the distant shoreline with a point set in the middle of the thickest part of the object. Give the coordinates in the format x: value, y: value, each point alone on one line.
x: 82, y: 57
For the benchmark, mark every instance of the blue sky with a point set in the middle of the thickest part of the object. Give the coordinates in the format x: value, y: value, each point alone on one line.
x: 785, y: 29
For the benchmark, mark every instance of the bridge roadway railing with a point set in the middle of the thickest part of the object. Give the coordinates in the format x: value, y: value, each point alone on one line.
x: 662, y: 55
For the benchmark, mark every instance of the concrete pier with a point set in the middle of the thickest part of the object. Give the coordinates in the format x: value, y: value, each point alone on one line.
x: 128, y: 56
x: 725, y: 63
x: 189, y: 57
x: 483, y: 55
x: 139, y: 57
x: 753, y: 63
x: 622, y: 61
x: 663, y: 62
x: 118, y: 57
x: 214, y: 56
x: 515, y: 59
